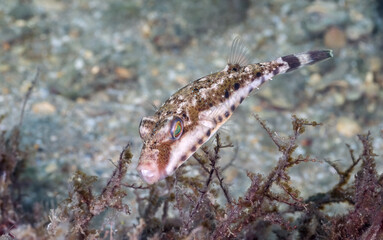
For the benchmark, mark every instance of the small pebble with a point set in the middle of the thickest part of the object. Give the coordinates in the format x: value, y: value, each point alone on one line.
x: 180, y: 66
x: 354, y: 94
x: 4, y: 68
x: 50, y: 168
x: 79, y: 63
x: 347, y: 127
x: 370, y: 88
x: 146, y: 30
x: 339, y: 99
x: 5, y: 91
x: 155, y: 72
x: 335, y: 38
x: 375, y: 64
x: 43, y: 108
x: 123, y: 73
x: 314, y: 79
x: 371, y: 107
x: 95, y: 70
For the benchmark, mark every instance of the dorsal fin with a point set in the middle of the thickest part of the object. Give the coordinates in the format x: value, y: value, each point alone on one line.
x: 238, y: 53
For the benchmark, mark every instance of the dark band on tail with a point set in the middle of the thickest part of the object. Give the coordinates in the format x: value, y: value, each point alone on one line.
x: 295, y: 61
x: 292, y: 61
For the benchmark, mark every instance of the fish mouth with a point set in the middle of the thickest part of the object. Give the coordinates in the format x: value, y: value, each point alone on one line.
x: 148, y: 168
x: 148, y: 172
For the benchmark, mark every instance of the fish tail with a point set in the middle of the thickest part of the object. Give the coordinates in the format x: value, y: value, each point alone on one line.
x: 294, y: 61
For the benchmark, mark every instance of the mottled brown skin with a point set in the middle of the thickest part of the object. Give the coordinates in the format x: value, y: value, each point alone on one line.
x: 203, y: 106
x: 233, y: 78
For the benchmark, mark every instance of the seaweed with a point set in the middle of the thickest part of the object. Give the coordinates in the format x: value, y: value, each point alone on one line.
x: 83, y: 205
x: 12, y: 163
x: 257, y: 214
x: 365, y: 221
x: 260, y: 202
x: 196, y: 203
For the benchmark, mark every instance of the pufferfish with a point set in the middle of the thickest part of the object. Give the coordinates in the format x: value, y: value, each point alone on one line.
x: 195, y: 112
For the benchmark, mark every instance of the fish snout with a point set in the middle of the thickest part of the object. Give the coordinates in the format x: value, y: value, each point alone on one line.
x: 149, y: 171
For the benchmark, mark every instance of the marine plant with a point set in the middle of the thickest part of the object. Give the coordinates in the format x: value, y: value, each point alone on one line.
x: 186, y: 206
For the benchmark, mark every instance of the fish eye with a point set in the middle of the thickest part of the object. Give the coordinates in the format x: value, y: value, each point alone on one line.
x: 176, y: 128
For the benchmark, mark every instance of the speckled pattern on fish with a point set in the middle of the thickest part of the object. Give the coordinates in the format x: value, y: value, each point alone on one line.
x: 195, y: 112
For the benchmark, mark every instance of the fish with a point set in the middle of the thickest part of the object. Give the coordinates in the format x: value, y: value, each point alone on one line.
x: 193, y: 114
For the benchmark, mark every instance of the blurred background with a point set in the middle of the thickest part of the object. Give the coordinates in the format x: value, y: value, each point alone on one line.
x: 105, y: 64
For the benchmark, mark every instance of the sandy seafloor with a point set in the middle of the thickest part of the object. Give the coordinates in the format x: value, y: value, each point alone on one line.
x: 104, y: 64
